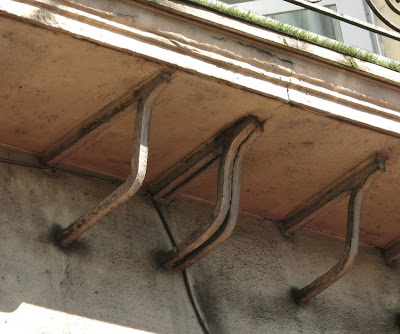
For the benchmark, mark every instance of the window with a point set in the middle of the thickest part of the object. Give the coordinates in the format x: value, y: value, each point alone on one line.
x: 318, y: 23
x: 312, y: 21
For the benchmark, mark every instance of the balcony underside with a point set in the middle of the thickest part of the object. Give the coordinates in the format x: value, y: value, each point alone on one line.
x: 51, y: 83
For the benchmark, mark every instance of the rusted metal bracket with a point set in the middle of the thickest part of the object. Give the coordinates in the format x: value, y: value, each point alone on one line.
x: 230, y: 146
x: 392, y: 252
x: 138, y: 166
x: 331, y: 195
x: 100, y: 121
x: 362, y: 182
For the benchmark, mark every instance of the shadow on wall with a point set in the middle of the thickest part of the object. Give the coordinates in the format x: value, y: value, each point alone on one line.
x: 244, y: 285
x: 109, y: 275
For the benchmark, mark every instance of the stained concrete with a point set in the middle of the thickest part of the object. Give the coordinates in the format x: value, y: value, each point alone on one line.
x: 244, y: 285
x: 322, y: 117
x: 55, y: 82
x: 110, y: 282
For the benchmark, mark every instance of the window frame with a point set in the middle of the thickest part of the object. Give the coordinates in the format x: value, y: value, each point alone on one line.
x: 351, y: 35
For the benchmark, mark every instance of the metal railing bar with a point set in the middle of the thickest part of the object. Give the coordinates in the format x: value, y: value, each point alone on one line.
x: 392, y: 6
x: 347, y: 18
x: 381, y: 16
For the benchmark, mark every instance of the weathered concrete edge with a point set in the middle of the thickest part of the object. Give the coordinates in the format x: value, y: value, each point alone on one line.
x: 303, y: 91
x: 224, y: 21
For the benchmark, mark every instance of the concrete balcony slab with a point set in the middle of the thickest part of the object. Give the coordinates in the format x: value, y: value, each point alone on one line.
x: 62, y: 61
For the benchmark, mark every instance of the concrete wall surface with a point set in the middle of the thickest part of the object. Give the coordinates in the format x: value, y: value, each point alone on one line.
x: 110, y: 282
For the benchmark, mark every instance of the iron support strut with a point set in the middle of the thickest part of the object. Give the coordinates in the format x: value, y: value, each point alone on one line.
x: 167, y: 186
x: 220, y: 225
x: 331, y: 195
x: 352, y: 238
x: 138, y: 167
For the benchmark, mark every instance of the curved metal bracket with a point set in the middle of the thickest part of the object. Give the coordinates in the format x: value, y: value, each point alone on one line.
x: 352, y: 239
x: 331, y: 195
x: 393, y: 6
x: 223, y: 219
x: 138, y: 167
x: 382, y: 17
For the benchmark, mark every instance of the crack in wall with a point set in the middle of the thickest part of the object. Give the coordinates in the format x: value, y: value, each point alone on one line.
x: 273, y: 55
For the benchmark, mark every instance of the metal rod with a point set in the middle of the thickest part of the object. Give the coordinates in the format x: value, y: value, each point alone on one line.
x: 229, y: 223
x: 383, y: 17
x: 175, y: 178
x: 167, y: 185
x: 224, y: 196
x: 351, y: 248
x: 136, y: 176
x: 347, y: 18
x: 191, y: 296
x: 224, y: 192
x: 338, y: 190
x: 80, y: 173
x: 97, y: 123
x: 392, y: 6
x: 392, y: 252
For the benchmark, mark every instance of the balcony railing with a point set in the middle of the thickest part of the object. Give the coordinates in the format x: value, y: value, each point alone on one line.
x: 366, y: 29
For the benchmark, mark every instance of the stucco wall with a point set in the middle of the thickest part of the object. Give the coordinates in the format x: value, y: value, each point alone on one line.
x: 109, y: 281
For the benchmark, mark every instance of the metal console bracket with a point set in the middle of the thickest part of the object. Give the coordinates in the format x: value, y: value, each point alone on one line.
x: 356, y: 183
x: 148, y: 95
x: 230, y: 146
